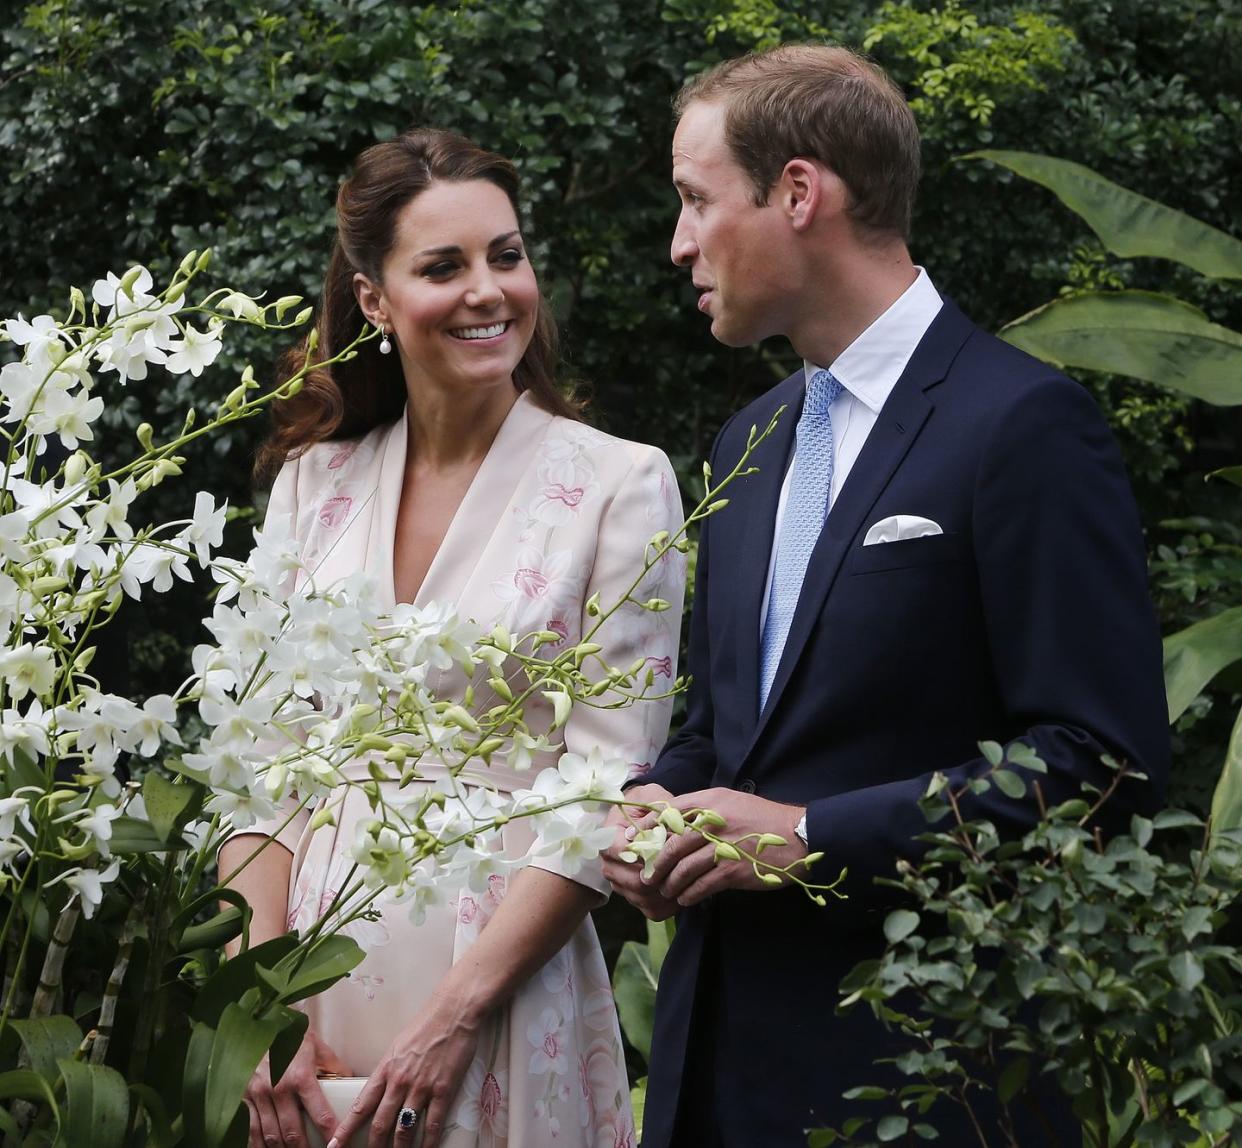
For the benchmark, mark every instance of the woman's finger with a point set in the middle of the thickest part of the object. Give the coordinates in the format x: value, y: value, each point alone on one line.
x: 255, y: 1138
x: 434, y: 1118
x: 384, y: 1119
x: 315, y: 1105
x: 268, y: 1122
x: 409, y: 1120
x: 359, y: 1113
x: 290, y: 1118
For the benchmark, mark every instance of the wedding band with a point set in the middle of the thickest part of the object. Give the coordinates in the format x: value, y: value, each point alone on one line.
x: 407, y: 1118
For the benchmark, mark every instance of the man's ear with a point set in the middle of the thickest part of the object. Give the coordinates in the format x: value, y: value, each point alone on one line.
x: 370, y: 300
x: 809, y: 191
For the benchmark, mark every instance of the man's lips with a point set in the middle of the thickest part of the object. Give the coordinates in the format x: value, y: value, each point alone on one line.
x: 705, y: 297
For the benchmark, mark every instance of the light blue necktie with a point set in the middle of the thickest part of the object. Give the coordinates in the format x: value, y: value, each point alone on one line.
x: 805, y: 510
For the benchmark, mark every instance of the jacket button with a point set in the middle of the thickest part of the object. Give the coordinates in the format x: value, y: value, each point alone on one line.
x: 747, y: 786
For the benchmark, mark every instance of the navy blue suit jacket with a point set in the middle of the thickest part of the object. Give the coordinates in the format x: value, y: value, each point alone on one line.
x: 1029, y: 617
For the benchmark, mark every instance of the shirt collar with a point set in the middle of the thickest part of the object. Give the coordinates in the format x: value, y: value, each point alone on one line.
x: 871, y: 365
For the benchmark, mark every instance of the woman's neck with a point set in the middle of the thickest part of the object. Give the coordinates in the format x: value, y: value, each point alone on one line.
x: 448, y: 430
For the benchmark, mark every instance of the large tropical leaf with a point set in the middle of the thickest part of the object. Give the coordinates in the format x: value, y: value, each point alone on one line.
x: 1127, y: 223
x: 634, y: 983
x: 1140, y: 334
x: 1227, y: 800
x: 96, y: 1106
x: 1195, y: 655
x: 46, y: 1040
x: 218, y: 1065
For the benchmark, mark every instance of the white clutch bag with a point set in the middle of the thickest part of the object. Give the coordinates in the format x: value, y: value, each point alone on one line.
x: 341, y: 1092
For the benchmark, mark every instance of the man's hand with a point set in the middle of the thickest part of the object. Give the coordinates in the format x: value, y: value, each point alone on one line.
x: 687, y: 870
x: 626, y: 876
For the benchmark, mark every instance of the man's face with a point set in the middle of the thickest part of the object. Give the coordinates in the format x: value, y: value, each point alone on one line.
x: 732, y: 247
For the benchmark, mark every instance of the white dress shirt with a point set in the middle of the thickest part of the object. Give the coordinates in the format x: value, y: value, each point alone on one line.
x: 868, y: 370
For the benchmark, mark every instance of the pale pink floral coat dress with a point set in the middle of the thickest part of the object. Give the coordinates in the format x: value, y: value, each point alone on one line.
x: 557, y: 511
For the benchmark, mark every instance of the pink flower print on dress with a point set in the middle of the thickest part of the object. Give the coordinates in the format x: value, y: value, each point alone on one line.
x: 467, y: 909
x: 536, y: 578
x: 484, y: 1104
x: 599, y: 1080
x: 334, y: 511
x: 342, y: 456
x: 568, y: 484
x: 368, y: 984
x: 496, y: 888
x: 557, y: 626
x: 546, y: 1037
x: 661, y: 667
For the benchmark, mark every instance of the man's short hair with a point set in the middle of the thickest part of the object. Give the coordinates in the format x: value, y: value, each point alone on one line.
x: 824, y: 103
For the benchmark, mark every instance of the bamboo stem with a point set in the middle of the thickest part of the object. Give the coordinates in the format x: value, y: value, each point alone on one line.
x: 112, y: 992
x: 54, y: 961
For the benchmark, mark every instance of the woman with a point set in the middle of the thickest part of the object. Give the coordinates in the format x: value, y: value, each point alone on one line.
x: 443, y: 460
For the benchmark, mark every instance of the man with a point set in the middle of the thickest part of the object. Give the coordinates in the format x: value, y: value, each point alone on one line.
x: 940, y: 547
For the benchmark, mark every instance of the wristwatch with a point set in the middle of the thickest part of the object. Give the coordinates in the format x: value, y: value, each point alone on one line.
x: 800, y: 832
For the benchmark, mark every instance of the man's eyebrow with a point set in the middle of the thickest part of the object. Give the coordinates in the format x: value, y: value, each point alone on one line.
x: 453, y: 249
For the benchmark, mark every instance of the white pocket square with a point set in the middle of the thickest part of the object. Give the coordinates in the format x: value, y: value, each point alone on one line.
x: 900, y: 527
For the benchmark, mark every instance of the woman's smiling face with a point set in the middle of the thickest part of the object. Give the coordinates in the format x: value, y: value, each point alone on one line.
x: 458, y: 294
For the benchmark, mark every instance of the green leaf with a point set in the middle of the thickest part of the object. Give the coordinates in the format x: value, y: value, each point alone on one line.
x: 327, y: 962
x: 1013, y: 1079
x: 152, y: 1104
x: 96, y: 1105
x: 1140, y: 334
x: 48, y: 1039
x: 1186, y: 970
x: 24, y: 1084
x: 659, y: 937
x: 235, y: 976
x: 213, y: 933
x: 169, y: 805
x: 133, y: 835
x: 993, y: 752
x: 634, y: 986
x: 1227, y: 800
x: 890, y: 1127
x: 1176, y: 819
x: 218, y: 1065
x: 287, y: 1041
x: 899, y: 924
x: 1228, y: 473
x: 1009, y: 783
x: 1127, y: 223
x: 1195, y: 655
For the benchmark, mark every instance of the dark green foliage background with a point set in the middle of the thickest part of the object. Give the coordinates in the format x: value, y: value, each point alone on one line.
x: 133, y: 131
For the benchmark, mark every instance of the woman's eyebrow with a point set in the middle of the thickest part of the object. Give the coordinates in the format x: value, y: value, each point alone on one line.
x: 453, y: 249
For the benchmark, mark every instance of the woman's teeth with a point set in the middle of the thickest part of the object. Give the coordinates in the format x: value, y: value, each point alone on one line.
x: 479, y: 332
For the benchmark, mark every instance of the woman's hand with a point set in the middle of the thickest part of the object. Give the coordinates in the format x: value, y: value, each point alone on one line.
x: 422, y: 1070
x: 276, y: 1111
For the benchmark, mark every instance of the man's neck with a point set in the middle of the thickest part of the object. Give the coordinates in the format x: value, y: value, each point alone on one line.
x: 848, y: 298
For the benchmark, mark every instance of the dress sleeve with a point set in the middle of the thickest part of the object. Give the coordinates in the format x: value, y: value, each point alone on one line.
x: 646, y: 502
x: 283, y: 501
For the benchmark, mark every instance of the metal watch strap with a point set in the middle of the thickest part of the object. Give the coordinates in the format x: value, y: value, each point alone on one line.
x: 800, y: 831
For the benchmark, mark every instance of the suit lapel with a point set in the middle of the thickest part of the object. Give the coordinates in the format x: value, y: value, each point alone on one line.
x: 900, y: 422
x: 761, y: 494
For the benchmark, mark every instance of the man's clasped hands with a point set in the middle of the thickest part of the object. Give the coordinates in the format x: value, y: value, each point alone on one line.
x: 687, y: 867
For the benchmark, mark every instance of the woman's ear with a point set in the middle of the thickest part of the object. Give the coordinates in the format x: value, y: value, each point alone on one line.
x: 370, y: 300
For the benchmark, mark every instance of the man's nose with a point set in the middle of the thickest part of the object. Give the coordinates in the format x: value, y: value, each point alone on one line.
x: 684, y: 248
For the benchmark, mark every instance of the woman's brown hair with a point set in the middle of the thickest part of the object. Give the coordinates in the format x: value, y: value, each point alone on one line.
x: 350, y: 398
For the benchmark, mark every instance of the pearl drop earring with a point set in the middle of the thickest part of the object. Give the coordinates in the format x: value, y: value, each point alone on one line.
x: 385, y: 346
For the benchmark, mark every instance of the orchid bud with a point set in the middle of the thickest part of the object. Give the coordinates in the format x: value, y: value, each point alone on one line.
x: 144, y: 434
x: 129, y: 279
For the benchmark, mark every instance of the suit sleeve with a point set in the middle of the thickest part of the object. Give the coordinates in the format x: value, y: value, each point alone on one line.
x: 646, y: 503
x: 688, y: 762
x: 1071, y: 633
